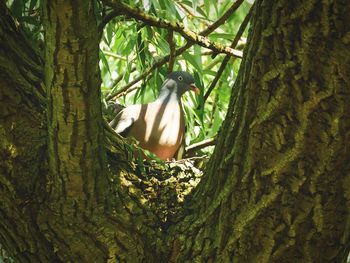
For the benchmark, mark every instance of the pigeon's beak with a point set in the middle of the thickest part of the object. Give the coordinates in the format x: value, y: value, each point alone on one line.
x: 194, y: 88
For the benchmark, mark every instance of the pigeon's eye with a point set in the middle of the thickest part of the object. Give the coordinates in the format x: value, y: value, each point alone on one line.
x: 180, y: 78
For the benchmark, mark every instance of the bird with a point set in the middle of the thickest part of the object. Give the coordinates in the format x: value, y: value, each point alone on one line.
x: 158, y: 126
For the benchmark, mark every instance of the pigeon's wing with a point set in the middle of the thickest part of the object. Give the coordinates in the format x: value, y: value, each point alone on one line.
x: 124, y: 120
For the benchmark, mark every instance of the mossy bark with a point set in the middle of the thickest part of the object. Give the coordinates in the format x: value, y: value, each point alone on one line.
x: 53, y: 179
x: 277, y: 188
x: 76, y: 152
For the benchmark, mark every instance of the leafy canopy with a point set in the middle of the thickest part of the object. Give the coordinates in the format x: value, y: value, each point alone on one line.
x: 129, y: 47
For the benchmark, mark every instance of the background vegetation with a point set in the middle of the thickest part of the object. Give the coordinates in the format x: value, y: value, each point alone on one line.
x: 130, y: 51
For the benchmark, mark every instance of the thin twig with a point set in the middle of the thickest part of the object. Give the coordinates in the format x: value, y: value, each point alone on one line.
x: 191, y: 14
x: 116, y: 81
x: 223, y: 18
x: 189, y: 159
x: 172, y: 48
x: 111, y: 54
x: 128, y: 88
x: 227, y: 58
x: 121, y: 92
x: 207, y: 53
x: 185, y: 8
x: 175, y: 26
x: 119, y: 78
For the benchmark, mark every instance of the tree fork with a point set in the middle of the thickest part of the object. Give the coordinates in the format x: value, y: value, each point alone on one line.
x: 276, y: 188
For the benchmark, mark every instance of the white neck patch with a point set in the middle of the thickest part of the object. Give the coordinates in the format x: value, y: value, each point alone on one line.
x: 168, y: 92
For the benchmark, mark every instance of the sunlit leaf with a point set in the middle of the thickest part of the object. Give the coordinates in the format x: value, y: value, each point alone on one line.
x: 109, y: 33
x: 201, y: 11
x: 104, y: 61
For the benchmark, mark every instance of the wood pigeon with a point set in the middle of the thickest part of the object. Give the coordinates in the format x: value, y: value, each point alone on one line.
x: 159, y: 126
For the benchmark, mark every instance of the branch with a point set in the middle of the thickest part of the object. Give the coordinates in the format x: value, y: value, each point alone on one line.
x: 175, y: 26
x: 200, y: 145
x: 128, y: 88
x: 227, y: 58
x: 106, y: 19
x: 119, y: 78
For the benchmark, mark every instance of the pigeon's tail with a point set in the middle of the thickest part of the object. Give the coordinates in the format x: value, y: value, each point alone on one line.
x: 116, y: 107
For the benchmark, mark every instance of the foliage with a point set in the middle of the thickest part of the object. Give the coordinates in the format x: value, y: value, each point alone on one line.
x: 27, y: 13
x: 128, y: 47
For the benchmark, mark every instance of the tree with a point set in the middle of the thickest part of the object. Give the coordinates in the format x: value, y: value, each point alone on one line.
x: 276, y: 188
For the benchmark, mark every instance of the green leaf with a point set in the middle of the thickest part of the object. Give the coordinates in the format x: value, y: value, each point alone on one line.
x: 198, y: 56
x: 140, y: 93
x: 216, y: 36
x: 207, y: 4
x: 129, y: 46
x: 201, y: 11
x: 32, y: 4
x: 141, y: 49
x: 17, y: 8
x: 192, y: 60
x: 110, y: 32
x: 104, y: 61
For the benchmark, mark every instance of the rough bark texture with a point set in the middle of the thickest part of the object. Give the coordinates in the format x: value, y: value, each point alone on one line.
x: 277, y: 187
x: 84, y: 218
x: 22, y: 143
x: 281, y: 191
x: 72, y: 79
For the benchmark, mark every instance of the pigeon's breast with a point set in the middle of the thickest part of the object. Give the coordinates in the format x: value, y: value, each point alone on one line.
x: 160, y: 128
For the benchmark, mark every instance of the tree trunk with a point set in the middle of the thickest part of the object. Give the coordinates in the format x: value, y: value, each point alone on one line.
x: 276, y: 188
x: 76, y: 152
x: 54, y: 205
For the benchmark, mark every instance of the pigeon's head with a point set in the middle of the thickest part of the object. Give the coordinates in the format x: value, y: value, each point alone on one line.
x: 180, y: 82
